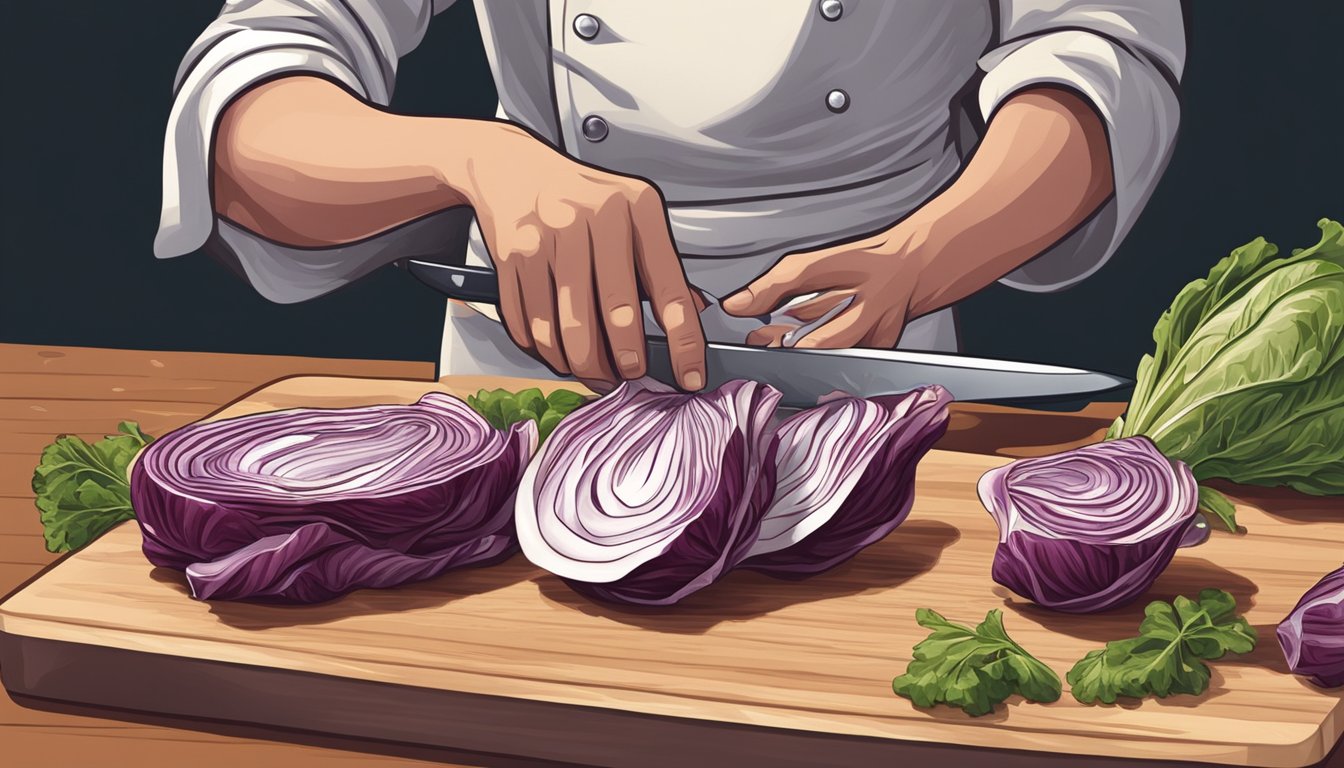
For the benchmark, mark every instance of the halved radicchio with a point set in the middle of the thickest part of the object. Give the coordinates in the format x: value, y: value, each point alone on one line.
x: 1312, y: 635
x: 304, y: 505
x: 845, y: 478
x: 649, y: 494
x: 1091, y: 528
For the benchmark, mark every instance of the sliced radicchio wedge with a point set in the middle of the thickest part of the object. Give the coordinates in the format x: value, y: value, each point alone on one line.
x: 649, y: 494
x: 845, y: 478
x: 304, y: 505
x: 1312, y: 635
x: 1091, y: 528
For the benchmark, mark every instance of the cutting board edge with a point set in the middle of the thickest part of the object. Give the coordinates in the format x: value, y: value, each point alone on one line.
x: 1305, y: 751
x: 588, y: 734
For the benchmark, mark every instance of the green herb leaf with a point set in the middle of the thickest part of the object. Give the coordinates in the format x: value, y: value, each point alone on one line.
x: 1168, y: 655
x: 82, y: 489
x: 974, y: 669
x: 547, y: 424
x: 502, y: 408
x: 511, y: 412
x: 564, y: 400
x: 1216, y: 504
x: 532, y: 402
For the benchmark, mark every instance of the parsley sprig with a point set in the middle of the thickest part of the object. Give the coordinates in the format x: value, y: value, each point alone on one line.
x: 1168, y: 655
x: 974, y: 669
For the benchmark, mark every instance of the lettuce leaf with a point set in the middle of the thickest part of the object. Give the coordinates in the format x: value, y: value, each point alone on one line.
x: 82, y: 489
x: 1247, y: 379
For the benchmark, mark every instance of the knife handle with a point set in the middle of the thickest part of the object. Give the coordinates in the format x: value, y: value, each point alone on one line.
x: 463, y: 283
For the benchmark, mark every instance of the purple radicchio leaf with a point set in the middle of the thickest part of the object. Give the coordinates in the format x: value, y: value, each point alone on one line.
x: 845, y: 478
x: 649, y: 494
x: 1091, y: 528
x: 1312, y: 635
x: 304, y: 505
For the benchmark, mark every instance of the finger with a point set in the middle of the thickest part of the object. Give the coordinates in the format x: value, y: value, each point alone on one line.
x: 794, y: 275
x: 886, y: 334
x: 768, y: 336
x: 512, y: 252
x: 581, y: 337
x: 846, y: 330
x: 815, y: 308
x: 511, y: 309
x: 659, y: 269
x: 700, y: 302
x: 618, y: 293
x: 538, y: 287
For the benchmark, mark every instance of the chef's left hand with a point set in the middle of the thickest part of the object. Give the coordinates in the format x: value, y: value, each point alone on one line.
x: 881, y: 273
x: 1043, y: 167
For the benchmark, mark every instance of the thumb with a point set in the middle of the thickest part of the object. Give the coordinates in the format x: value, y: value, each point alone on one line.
x: 793, y: 275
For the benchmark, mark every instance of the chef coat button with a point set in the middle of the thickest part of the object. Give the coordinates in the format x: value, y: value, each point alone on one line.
x: 586, y: 26
x: 837, y: 100
x: 594, y: 128
x: 831, y: 9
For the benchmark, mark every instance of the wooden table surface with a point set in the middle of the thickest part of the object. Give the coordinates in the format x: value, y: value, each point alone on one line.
x: 47, y: 391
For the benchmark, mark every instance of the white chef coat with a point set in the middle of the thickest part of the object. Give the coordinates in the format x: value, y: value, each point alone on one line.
x: 770, y: 126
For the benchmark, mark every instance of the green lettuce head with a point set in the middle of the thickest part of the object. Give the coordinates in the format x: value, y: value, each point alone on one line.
x: 1247, y: 380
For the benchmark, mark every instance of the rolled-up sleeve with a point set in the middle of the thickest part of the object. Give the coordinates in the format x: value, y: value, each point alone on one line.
x: 1127, y: 60
x: 354, y: 42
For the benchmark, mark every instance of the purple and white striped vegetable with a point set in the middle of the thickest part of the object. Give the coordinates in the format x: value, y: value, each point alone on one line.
x: 1312, y: 635
x: 845, y: 478
x: 307, y: 504
x: 1091, y: 528
x: 650, y: 494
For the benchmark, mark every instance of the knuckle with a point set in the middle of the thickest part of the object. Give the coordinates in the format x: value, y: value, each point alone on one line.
x: 570, y: 322
x: 643, y: 196
x: 542, y: 333
x: 674, y: 307
x: 559, y: 215
x: 525, y: 244
x: 609, y: 204
x: 622, y: 315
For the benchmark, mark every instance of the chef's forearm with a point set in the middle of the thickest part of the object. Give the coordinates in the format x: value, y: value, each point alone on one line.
x: 303, y: 162
x: 1043, y: 168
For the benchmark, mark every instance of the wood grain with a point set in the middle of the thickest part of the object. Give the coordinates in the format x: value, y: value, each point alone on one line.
x: 814, y: 656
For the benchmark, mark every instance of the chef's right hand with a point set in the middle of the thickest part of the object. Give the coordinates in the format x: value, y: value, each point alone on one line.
x: 573, y: 246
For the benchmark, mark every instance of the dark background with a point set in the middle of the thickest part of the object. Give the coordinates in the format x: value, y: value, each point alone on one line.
x: 88, y: 87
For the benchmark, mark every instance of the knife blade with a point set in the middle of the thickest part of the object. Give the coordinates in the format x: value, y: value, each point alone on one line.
x: 804, y: 375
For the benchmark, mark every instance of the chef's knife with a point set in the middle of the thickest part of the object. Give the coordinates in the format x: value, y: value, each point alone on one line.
x: 804, y: 375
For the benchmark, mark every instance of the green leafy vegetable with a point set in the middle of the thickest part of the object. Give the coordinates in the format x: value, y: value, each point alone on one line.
x: 82, y: 489
x: 1166, y: 657
x: 1216, y: 504
x: 503, y: 408
x: 1247, y: 379
x: 974, y: 669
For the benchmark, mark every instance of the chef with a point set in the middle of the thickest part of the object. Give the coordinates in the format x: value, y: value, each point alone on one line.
x: 831, y: 173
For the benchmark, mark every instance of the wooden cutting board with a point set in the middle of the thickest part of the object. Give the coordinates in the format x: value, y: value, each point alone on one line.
x: 507, y: 661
